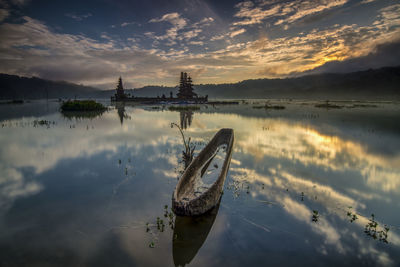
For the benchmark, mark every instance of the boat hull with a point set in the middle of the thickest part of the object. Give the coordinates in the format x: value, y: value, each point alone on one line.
x: 184, y: 206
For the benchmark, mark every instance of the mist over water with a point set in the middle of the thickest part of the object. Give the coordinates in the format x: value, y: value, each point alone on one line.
x: 302, y: 186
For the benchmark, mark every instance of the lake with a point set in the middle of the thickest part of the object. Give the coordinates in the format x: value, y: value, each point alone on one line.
x: 306, y: 186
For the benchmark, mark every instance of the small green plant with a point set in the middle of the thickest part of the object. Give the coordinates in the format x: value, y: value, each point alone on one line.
x: 151, y: 245
x: 315, y: 216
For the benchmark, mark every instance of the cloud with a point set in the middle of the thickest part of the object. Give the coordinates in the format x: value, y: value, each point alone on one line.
x: 367, y: 1
x: 32, y: 48
x: 173, y: 18
x: 124, y: 24
x: 301, y: 9
x: 387, y: 54
x: 287, y: 12
x: 181, y: 25
x: 191, y: 34
x: 14, y: 185
x: 234, y: 32
x: 237, y: 32
x: 78, y: 17
x: 171, y: 34
x: 252, y: 14
x: 204, y: 22
x: 196, y: 43
x: 218, y: 37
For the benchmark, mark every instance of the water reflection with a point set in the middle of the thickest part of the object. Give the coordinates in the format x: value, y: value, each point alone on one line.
x: 82, y: 114
x: 186, y: 118
x: 121, y: 112
x: 63, y: 188
x: 189, y: 235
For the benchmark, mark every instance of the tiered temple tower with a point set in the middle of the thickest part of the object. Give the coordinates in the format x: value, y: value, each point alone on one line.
x: 120, y: 90
x: 185, y: 87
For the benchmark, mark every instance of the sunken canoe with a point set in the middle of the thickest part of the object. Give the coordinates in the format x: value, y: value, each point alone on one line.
x: 191, y: 196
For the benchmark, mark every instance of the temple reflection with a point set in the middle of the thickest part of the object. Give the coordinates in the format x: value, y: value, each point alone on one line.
x: 186, y: 118
x: 120, y: 106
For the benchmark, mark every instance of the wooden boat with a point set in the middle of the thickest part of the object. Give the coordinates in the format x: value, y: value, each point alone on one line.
x: 193, y: 195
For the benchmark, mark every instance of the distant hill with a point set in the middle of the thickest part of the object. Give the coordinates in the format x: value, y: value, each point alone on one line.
x: 381, y: 83
x: 16, y: 87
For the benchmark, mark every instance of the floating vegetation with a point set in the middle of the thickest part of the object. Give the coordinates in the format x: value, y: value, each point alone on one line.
x: 151, y: 245
x: 315, y: 216
x: 238, y: 186
x: 82, y: 105
x: 23, y: 124
x: 328, y: 105
x: 183, y: 108
x: 351, y: 215
x: 159, y: 226
x: 187, y: 154
x: 37, y: 123
x: 223, y: 103
x: 267, y: 106
x: 371, y: 229
x: 82, y: 114
x: 363, y: 106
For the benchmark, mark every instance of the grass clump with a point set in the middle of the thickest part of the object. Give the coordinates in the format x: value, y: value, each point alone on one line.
x: 82, y: 105
x: 267, y: 106
x: 183, y: 108
x: 328, y: 105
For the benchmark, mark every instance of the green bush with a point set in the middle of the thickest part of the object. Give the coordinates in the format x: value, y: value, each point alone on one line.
x: 82, y: 105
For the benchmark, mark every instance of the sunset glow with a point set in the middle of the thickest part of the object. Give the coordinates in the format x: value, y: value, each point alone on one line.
x: 216, y: 41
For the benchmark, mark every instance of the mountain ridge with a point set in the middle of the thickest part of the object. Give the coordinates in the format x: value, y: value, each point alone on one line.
x: 382, y: 83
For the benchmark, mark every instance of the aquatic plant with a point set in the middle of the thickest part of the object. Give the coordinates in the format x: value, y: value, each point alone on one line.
x: 82, y: 105
x: 363, y: 106
x: 371, y: 229
x: 187, y: 154
x: 328, y: 105
x: 267, y: 106
x: 352, y: 216
x: 160, y: 225
x: 183, y: 108
x: 315, y: 216
x: 47, y: 123
x: 82, y: 114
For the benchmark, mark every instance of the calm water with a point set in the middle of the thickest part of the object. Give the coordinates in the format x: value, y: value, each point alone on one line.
x: 302, y: 185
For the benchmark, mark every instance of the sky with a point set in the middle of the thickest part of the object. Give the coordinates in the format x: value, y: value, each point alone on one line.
x: 150, y: 42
